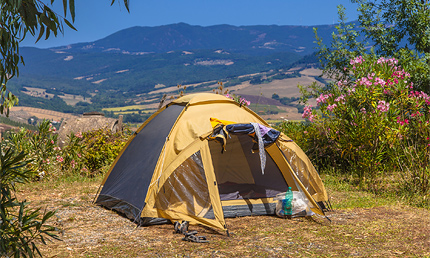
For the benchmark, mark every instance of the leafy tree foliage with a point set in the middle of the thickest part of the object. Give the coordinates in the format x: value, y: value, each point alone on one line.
x: 344, y: 46
x: 21, y: 229
x: 17, y: 19
x: 388, y: 23
x: 399, y: 29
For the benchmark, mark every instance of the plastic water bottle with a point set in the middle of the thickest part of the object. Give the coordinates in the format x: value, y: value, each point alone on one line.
x: 287, y: 203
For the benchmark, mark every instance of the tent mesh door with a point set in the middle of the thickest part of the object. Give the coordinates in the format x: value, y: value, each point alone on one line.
x: 238, y: 171
x: 186, y: 189
x: 300, y: 168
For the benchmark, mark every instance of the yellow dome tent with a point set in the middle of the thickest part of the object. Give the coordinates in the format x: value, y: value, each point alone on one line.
x: 173, y: 168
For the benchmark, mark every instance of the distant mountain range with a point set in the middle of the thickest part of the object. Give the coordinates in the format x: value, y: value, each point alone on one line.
x: 250, y: 40
x: 139, y: 59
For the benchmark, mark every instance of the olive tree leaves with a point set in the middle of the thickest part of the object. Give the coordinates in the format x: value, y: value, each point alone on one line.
x: 19, y: 17
x: 388, y: 28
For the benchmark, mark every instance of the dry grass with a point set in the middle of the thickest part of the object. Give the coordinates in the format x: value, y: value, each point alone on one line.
x: 68, y: 98
x: 73, y: 99
x: 382, y: 229
x: 290, y: 113
x: 27, y: 112
x: 284, y: 88
x: 311, y: 72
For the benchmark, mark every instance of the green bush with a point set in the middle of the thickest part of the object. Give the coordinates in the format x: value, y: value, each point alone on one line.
x: 40, y: 146
x: 84, y: 153
x: 372, y: 124
x: 101, y: 147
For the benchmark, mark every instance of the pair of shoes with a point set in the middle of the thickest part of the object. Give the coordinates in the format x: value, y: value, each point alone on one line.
x: 191, y: 237
x: 181, y: 228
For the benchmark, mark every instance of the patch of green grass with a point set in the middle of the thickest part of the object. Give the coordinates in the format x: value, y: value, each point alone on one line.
x: 70, y: 204
x: 353, y: 195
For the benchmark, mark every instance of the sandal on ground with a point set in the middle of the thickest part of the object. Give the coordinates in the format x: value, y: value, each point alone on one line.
x: 190, y: 233
x: 195, y: 239
x: 181, y: 228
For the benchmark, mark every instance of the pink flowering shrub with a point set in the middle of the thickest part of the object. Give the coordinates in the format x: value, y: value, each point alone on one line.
x: 238, y: 99
x: 40, y: 146
x: 100, y: 148
x: 371, y: 123
x: 90, y: 152
x: 84, y: 153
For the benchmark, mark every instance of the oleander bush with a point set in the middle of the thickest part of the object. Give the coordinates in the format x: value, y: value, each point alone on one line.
x: 84, y: 153
x: 21, y: 229
x: 370, y: 125
x: 101, y: 147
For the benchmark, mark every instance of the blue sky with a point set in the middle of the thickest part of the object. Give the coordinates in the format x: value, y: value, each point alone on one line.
x: 96, y: 19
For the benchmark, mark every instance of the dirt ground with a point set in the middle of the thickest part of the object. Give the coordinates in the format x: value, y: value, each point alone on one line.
x: 91, y: 231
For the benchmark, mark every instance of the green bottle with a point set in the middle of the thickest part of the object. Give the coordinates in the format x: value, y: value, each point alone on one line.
x: 287, y: 203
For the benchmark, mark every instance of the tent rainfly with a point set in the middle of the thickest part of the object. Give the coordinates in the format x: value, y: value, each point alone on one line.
x: 202, y: 158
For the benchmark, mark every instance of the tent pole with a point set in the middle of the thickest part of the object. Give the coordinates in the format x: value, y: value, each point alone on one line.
x: 98, y: 191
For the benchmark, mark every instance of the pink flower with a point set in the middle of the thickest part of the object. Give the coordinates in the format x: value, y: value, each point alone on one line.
x: 52, y: 141
x: 350, y: 91
x: 379, y: 81
x: 340, y: 99
x: 383, y: 106
x: 365, y: 81
x: 357, y: 60
x: 245, y: 102
x: 60, y: 159
x: 331, y: 107
x: 341, y: 83
x: 79, y: 135
x: 399, y: 121
x: 322, y: 99
x: 307, y: 113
